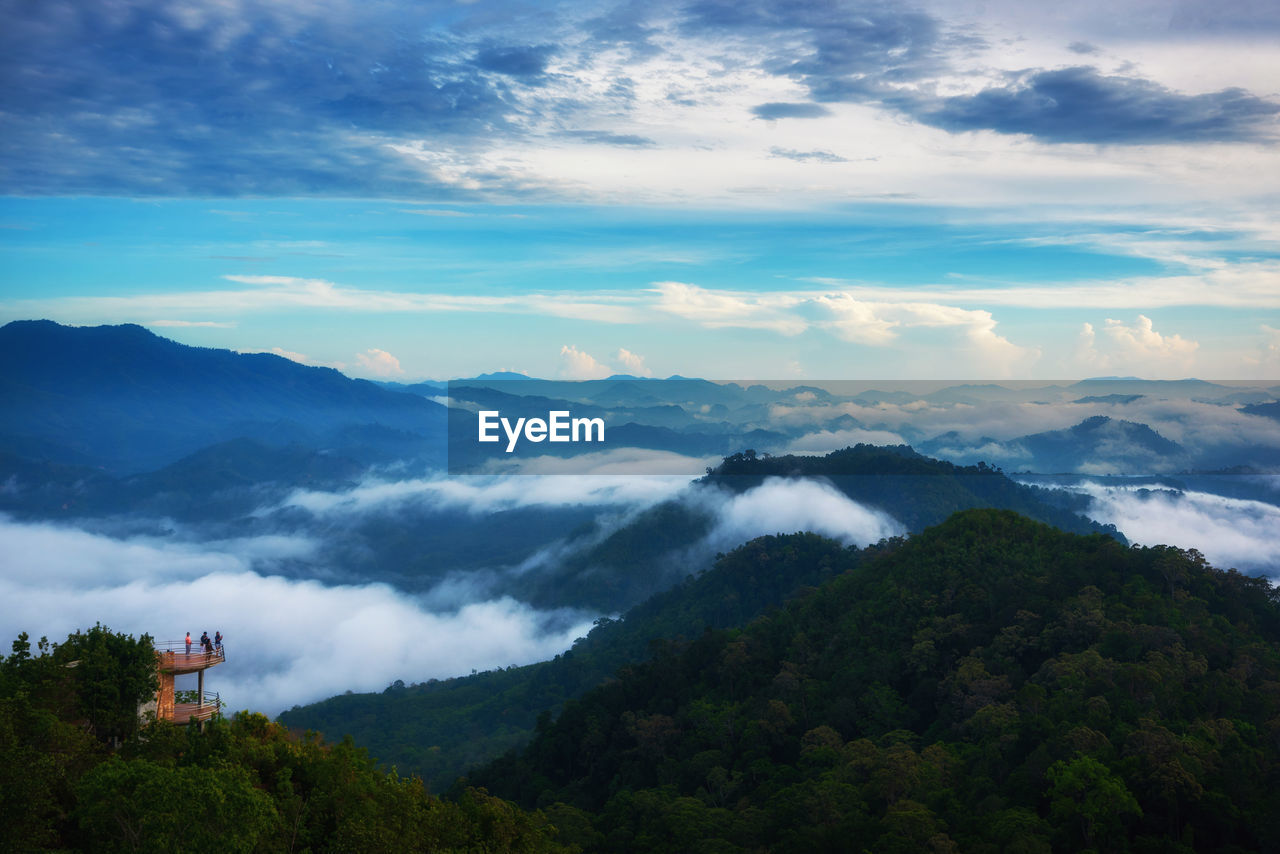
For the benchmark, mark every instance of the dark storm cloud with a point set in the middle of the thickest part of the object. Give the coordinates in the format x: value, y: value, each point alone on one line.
x: 150, y: 97
x: 782, y: 110
x: 1081, y: 105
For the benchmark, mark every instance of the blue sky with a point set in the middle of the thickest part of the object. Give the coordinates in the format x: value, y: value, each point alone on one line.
x: 822, y: 189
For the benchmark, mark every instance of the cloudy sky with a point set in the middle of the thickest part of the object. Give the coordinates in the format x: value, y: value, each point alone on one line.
x: 726, y: 188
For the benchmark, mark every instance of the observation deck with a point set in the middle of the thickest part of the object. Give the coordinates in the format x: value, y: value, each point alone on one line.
x: 176, y: 658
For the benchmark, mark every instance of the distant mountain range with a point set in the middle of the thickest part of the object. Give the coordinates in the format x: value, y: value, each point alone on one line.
x: 123, y: 400
x: 1097, y: 445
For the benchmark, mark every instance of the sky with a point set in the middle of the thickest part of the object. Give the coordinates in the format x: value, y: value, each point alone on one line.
x: 737, y: 189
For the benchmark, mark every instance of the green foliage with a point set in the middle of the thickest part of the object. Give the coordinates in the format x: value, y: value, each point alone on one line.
x: 142, y: 806
x: 1089, y: 801
x: 993, y: 684
x: 243, y: 784
x: 441, y: 729
x: 111, y: 673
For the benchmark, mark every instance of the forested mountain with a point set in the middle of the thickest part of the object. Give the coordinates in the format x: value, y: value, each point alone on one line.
x: 225, y: 480
x: 126, y: 400
x: 993, y: 684
x: 915, y: 489
x: 646, y: 555
x: 441, y: 728
x: 240, y: 785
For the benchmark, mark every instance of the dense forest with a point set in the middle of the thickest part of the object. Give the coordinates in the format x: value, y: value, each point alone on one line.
x: 439, y: 729
x: 990, y: 684
x: 993, y: 684
x: 79, y: 771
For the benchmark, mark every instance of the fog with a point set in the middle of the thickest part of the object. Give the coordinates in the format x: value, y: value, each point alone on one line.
x: 292, y: 637
x: 288, y: 641
x: 1229, y: 532
x: 785, y: 506
x: 482, y: 494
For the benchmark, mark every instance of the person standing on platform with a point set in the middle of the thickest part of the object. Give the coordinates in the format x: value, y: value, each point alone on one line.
x: 217, y: 641
x: 188, y: 643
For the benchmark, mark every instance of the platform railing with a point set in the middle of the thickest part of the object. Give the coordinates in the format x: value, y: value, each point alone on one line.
x: 195, y: 705
x: 181, y: 646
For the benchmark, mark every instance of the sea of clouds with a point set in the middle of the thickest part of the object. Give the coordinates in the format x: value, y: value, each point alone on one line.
x: 293, y: 640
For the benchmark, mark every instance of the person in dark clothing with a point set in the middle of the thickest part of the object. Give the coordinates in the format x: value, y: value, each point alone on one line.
x: 217, y: 641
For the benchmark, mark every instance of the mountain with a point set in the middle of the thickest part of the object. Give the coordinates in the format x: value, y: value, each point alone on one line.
x: 992, y: 684
x: 1101, y: 444
x: 1201, y: 389
x: 914, y: 489
x: 125, y: 400
x: 1266, y: 410
x: 439, y: 729
x: 1096, y: 445
x: 224, y: 480
x: 614, y: 569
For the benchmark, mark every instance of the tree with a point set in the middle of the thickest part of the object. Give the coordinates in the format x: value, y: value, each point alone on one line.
x: 112, y: 674
x: 1085, y: 793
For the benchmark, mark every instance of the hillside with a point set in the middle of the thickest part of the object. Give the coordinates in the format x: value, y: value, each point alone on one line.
x: 993, y: 684
x: 648, y: 554
x: 224, y: 480
x: 79, y: 773
x: 440, y: 729
x: 123, y: 399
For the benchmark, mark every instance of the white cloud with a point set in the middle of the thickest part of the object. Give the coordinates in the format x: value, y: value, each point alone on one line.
x: 633, y: 363
x: 212, y: 324
x: 1230, y: 532
x: 579, y: 365
x: 481, y: 494
x: 826, y: 441
x: 288, y: 641
x: 1238, y: 285
x: 784, y: 506
x: 641, y: 463
x: 1142, y: 341
x: 718, y: 309
x: 1135, y: 349
x: 1267, y: 355
x: 380, y: 363
x: 300, y: 358
x: 876, y: 323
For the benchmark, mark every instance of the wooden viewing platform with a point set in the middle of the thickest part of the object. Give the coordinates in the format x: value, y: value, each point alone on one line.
x: 174, y: 659
x: 207, y: 706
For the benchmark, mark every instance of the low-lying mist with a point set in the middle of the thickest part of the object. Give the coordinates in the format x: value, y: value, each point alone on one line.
x: 288, y: 640
x: 1229, y: 532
